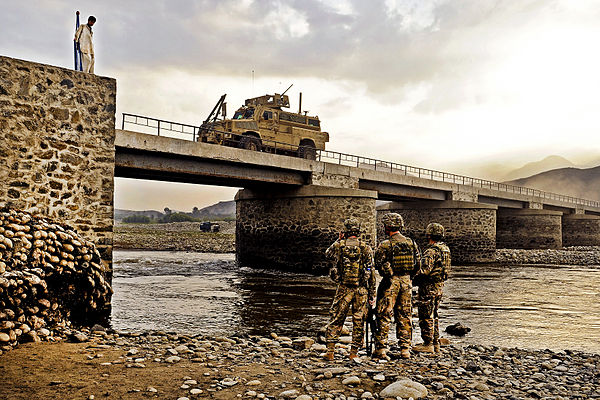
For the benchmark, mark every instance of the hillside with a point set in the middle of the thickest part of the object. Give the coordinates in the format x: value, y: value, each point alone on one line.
x: 152, y: 214
x: 577, y: 182
x: 547, y: 164
x: 223, y: 209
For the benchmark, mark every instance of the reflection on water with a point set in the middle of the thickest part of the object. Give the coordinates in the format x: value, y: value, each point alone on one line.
x: 532, y: 307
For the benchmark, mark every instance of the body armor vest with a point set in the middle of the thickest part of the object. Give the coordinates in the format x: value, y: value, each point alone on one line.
x: 350, y: 262
x: 402, y: 256
x: 442, y: 267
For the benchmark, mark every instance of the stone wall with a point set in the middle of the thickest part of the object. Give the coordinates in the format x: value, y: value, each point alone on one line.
x: 528, y: 229
x: 291, y: 229
x: 580, y: 230
x: 57, y: 147
x: 470, y: 228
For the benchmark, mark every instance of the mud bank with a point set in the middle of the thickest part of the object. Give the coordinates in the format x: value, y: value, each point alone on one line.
x: 168, y: 365
x: 177, y: 236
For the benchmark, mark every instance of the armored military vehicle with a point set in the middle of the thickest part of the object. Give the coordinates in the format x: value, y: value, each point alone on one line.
x: 261, y: 124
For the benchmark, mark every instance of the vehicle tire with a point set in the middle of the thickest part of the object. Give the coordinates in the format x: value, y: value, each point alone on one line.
x: 308, y: 152
x: 250, y: 143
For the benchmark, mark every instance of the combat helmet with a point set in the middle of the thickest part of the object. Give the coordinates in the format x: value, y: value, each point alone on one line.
x: 435, y: 230
x: 352, y: 225
x: 393, y: 221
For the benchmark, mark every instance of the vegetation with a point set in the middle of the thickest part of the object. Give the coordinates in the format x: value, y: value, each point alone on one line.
x: 137, y: 219
x: 177, y: 217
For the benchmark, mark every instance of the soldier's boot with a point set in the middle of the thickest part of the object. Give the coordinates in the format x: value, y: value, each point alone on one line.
x: 436, y: 348
x: 379, y: 354
x: 426, y: 347
x: 405, y: 353
x: 353, y: 353
x: 328, y: 356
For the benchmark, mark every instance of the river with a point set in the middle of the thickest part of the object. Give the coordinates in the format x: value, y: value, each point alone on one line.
x: 533, y: 307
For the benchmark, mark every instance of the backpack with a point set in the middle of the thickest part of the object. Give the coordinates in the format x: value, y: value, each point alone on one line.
x: 442, y: 268
x: 350, y: 257
x: 403, y: 256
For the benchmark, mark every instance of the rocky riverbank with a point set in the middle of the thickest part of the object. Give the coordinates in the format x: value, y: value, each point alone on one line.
x: 576, y: 255
x: 176, y: 236
x: 168, y: 365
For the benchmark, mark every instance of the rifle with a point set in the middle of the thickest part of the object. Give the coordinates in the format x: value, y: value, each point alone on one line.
x: 371, y: 323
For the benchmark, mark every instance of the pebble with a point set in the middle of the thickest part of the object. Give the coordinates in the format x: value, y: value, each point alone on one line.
x: 351, y: 380
x: 304, y: 397
x: 173, y: 359
x: 195, y: 391
x: 404, y: 388
x: 379, y: 377
x: 254, y: 382
x: 229, y: 382
x: 288, y: 394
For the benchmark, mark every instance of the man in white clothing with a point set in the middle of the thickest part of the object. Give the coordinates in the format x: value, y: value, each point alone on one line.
x: 83, y: 35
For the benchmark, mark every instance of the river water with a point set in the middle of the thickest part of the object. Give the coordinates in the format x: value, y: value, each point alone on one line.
x: 534, y: 307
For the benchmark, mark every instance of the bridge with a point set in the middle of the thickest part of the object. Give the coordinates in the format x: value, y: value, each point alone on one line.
x: 479, y: 215
x: 61, y: 153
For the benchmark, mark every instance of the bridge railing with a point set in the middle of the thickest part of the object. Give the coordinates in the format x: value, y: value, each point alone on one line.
x: 191, y: 132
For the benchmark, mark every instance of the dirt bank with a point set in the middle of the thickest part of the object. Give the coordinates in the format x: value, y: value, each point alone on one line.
x: 171, y: 366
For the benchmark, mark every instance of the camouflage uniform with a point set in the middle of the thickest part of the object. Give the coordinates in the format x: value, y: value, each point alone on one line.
x: 430, y: 290
x: 353, y: 290
x: 394, y: 292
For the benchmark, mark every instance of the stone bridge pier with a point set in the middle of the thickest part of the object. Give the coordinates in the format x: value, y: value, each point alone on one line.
x: 529, y: 228
x: 580, y: 230
x: 290, y: 229
x: 470, y: 227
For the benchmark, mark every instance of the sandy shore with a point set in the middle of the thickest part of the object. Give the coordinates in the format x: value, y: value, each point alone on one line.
x: 171, y: 366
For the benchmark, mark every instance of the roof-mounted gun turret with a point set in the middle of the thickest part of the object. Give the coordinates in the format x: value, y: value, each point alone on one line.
x: 271, y: 100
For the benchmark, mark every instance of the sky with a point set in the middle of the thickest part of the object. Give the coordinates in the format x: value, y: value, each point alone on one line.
x: 475, y: 87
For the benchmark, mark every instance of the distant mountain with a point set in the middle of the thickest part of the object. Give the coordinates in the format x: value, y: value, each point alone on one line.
x: 577, y: 182
x: 222, y: 209
x: 533, y: 168
x: 152, y: 214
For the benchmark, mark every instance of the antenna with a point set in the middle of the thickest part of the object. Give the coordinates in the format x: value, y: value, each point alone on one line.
x: 252, y: 91
x: 287, y: 89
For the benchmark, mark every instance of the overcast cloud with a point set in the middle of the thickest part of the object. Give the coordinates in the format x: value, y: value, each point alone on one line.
x: 435, y: 83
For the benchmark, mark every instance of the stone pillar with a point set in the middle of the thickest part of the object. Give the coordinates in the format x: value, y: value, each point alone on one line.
x: 291, y: 228
x: 528, y: 229
x: 470, y: 227
x: 57, y: 153
x: 580, y: 230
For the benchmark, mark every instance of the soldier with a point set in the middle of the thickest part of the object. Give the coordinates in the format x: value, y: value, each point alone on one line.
x: 435, y: 266
x: 353, y: 272
x: 397, y: 260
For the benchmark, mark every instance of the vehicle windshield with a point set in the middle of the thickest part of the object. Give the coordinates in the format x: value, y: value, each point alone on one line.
x: 244, y: 114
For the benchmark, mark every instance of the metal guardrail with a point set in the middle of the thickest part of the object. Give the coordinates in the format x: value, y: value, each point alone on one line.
x: 364, y: 162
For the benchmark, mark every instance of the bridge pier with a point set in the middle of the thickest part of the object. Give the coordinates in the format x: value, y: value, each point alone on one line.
x: 528, y: 228
x: 291, y: 229
x: 470, y: 227
x: 580, y: 230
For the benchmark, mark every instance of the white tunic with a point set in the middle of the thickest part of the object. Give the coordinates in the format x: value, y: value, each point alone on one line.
x: 83, y: 35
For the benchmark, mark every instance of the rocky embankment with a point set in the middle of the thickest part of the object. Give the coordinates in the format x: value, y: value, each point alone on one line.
x: 576, y: 255
x: 49, y: 277
x: 168, y: 365
x: 176, y: 236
